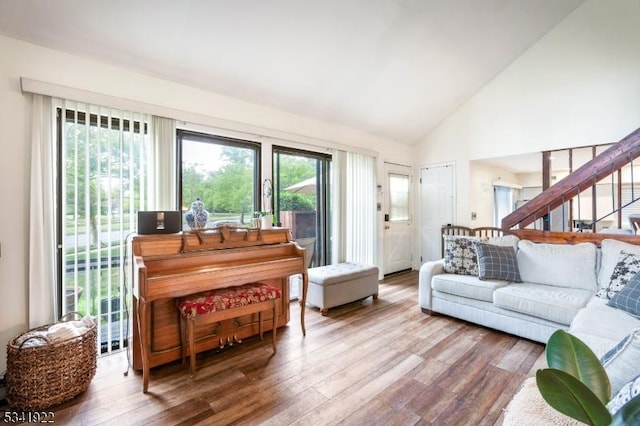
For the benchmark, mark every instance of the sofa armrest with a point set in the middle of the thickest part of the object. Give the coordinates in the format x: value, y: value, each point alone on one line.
x: 427, y: 271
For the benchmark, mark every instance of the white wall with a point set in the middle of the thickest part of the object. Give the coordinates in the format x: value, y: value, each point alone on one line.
x: 481, y: 178
x: 579, y: 85
x: 123, y: 88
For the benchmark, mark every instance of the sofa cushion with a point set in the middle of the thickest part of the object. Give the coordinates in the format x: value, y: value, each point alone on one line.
x: 628, y: 265
x: 560, y: 265
x: 621, y: 362
x: 628, y: 299
x: 629, y: 391
x: 610, y: 250
x: 558, y: 304
x: 601, y: 327
x: 505, y: 240
x: 497, y: 262
x: 460, y: 255
x: 466, y: 286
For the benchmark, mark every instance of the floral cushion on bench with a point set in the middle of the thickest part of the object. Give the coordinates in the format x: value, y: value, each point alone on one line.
x: 226, y: 298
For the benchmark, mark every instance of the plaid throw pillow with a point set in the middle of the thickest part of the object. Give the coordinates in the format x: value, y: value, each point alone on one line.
x: 497, y: 262
x: 628, y: 299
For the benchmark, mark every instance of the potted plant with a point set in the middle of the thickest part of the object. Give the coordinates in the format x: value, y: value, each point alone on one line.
x: 265, y: 218
x: 577, y: 385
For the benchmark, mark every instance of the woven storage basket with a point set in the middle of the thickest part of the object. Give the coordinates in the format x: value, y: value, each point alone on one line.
x: 39, y: 377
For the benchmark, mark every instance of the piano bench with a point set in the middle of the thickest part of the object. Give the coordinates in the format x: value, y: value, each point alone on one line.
x: 226, y: 303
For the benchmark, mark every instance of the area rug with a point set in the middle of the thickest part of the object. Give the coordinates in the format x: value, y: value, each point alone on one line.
x: 529, y: 408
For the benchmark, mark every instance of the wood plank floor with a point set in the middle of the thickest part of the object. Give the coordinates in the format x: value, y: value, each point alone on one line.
x: 380, y: 362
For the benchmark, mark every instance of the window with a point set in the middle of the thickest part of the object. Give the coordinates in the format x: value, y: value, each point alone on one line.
x: 102, y: 175
x: 223, y: 173
x: 398, y: 197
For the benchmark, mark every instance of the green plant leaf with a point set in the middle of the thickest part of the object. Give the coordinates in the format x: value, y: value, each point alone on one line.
x: 570, y: 396
x: 628, y: 414
x: 568, y: 353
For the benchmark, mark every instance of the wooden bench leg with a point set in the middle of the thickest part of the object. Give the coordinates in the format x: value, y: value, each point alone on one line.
x: 274, y: 325
x: 192, y: 345
x: 183, y: 339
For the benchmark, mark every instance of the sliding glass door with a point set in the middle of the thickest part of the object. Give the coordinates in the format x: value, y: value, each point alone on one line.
x: 102, y: 183
x: 301, y: 202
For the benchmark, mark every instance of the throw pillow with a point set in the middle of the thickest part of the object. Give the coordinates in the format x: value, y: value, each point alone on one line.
x: 628, y: 299
x: 628, y: 265
x: 621, y: 362
x: 497, y: 262
x: 460, y: 255
x: 624, y: 395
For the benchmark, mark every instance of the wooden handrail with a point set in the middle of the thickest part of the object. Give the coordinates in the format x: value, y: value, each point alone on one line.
x: 608, y: 162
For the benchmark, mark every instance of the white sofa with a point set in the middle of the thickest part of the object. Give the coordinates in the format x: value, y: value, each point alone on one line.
x: 557, y: 292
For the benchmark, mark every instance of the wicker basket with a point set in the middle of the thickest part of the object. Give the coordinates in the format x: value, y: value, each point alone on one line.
x: 39, y: 377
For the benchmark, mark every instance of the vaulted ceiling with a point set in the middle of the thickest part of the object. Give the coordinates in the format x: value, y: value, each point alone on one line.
x: 393, y: 68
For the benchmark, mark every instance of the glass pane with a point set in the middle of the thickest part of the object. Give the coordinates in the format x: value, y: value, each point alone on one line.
x: 398, y: 197
x: 220, y: 178
x: 300, y: 203
x: 102, y: 186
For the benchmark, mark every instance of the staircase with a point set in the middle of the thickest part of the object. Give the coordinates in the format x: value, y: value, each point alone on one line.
x: 608, y: 163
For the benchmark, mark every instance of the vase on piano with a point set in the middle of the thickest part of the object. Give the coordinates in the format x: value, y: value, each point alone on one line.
x: 197, y: 217
x: 266, y: 221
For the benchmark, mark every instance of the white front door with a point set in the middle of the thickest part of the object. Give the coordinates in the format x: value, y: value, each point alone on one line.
x: 436, y: 208
x: 397, y: 224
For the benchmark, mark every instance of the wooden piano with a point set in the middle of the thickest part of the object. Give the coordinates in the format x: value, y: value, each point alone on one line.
x: 166, y: 267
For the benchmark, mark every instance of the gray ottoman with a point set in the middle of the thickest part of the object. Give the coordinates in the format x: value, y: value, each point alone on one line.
x: 335, y: 285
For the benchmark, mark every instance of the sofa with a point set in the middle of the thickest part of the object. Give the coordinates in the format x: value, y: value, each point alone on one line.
x: 533, y: 289
x: 558, y: 290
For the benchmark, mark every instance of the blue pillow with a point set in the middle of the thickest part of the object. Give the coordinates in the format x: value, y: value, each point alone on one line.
x: 628, y: 299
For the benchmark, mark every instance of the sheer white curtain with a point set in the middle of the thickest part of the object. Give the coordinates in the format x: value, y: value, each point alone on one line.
x: 504, y: 203
x: 164, y: 176
x: 354, y: 206
x: 43, y: 303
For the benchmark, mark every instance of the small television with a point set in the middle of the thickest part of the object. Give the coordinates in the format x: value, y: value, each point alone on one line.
x: 159, y: 222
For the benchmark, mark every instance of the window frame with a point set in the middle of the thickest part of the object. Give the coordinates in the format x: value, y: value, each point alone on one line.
x: 182, y: 134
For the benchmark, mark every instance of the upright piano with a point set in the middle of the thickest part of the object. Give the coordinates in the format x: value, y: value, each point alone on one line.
x: 166, y: 267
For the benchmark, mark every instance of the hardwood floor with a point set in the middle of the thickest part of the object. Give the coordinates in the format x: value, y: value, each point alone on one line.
x: 380, y: 362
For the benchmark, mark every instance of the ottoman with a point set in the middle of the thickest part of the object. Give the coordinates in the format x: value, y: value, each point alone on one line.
x: 335, y: 285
